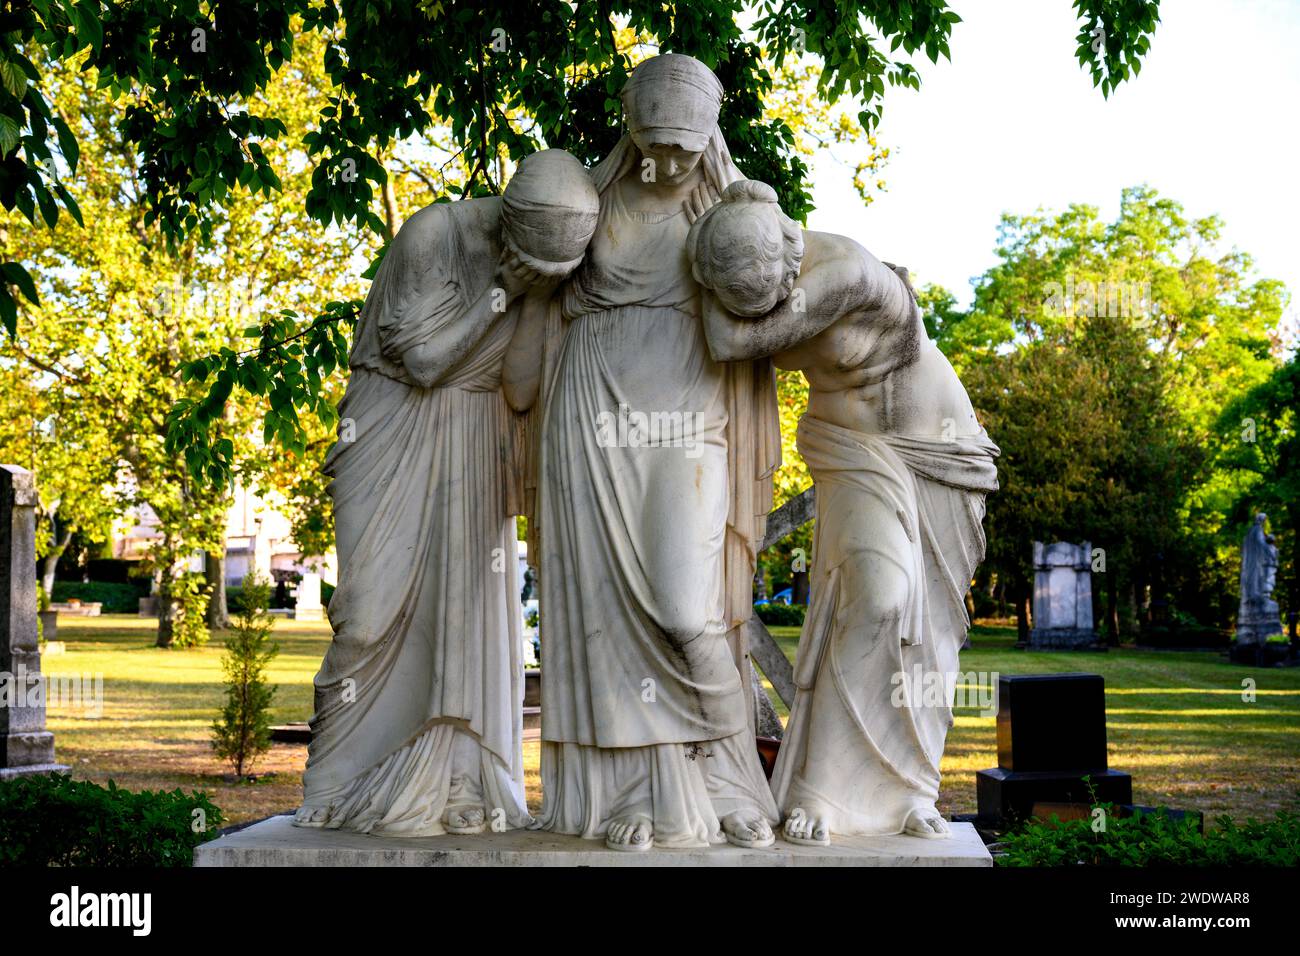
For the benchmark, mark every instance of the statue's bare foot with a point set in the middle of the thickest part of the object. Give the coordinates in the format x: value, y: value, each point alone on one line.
x: 464, y: 820
x: 925, y: 822
x: 808, y: 829
x: 748, y: 828
x: 308, y: 816
x: 634, y: 832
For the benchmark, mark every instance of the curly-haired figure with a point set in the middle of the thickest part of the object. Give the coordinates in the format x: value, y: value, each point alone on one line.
x: 901, y: 468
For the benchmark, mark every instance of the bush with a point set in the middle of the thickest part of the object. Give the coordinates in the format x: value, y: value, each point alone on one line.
x: 1153, y: 839
x: 53, y: 820
x: 116, y: 598
x: 243, y: 731
x: 781, y: 615
x: 1183, y: 636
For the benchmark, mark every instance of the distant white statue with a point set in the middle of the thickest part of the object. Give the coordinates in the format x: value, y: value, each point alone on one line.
x: 418, y: 721
x: 901, y: 467
x: 648, y: 529
x: 1258, y: 615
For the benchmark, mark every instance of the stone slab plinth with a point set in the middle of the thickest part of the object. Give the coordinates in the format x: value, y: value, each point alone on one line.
x: 10, y: 773
x: 277, y: 842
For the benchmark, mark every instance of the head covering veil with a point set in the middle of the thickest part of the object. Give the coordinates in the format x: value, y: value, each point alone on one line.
x: 676, y: 99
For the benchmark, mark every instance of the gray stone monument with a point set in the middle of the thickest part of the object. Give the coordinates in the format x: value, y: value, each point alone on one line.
x: 1062, y: 596
x: 1258, y: 615
x: 25, y: 745
x: 308, y: 606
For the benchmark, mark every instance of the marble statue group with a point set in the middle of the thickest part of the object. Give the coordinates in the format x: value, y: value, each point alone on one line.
x: 658, y: 290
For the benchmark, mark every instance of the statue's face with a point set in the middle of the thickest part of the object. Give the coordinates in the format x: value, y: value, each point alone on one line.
x: 544, y: 272
x: 672, y: 163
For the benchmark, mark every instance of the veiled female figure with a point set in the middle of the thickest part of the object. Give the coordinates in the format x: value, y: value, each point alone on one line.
x: 901, y: 467
x: 647, y: 543
x: 418, y: 721
x: 1258, y: 615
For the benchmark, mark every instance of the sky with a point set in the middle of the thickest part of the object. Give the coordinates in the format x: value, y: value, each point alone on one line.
x: 1014, y: 123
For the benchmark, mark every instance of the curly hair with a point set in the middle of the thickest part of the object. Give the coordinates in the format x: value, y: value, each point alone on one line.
x: 725, y: 237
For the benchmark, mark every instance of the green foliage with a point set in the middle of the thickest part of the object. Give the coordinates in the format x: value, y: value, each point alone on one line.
x: 1153, y: 839
x: 53, y: 820
x: 42, y: 598
x: 1113, y: 37
x: 116, y: 598
x: 1099, y: 356
x: 243, y: 731
x: 398, y: 69
x: 86, y: 382
x: 35, y: 139
x: 781, y: 615
x: 1259, y: 442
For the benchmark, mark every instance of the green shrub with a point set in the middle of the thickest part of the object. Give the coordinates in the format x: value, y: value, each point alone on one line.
x: 781, y: 615
x: 243, y: 731
x: 1183, y: 635
x: 116, y: 598
x: 53, y: 820
x: 1153, y: 839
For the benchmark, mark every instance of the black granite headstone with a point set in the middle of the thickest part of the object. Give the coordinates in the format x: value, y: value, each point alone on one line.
x: 1052, y: 722
x: 1051, y: 736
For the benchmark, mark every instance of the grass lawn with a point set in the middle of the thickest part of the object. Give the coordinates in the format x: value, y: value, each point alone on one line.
x: 1177, y: 721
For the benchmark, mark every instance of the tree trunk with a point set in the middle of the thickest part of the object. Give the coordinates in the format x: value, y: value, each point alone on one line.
x: 1293, y: 604
x: 166, y: 575
x: 1130, y: 623
x: 1112, y: 610
x: 165, y: 622
x: 1022, y: 611
x: 799, y: 587
x: 52, y: 563
x: 214, y: 572
x: 392, y: 219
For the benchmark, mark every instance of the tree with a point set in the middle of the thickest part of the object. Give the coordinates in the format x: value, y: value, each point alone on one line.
x: 73, y: 465
x: 1260, y: 440
x: 504, y: 79
x: 121, y: 315
x: 1101, y: 356
x: 243, y: 732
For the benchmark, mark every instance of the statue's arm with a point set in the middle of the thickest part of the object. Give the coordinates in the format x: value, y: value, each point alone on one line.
x: 521, y: 376
x: 822, y: 293
x: 842, y: 278
x: 431, y: 359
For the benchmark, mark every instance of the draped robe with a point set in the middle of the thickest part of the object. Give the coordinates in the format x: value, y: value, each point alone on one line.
x: 644, y: 710
x: 419, y: 698
x: 854, y: 704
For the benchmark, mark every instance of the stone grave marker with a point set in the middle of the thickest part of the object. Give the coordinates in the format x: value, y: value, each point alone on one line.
x: 25, y: 745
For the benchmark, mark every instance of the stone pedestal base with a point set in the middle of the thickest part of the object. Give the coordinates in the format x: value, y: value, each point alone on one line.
x: 8, y: 773
x: 1263, y: 654
x: 31, y: 749
x: 1007, y: 795
x: 1063, y: 639
x: 277, y: 842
